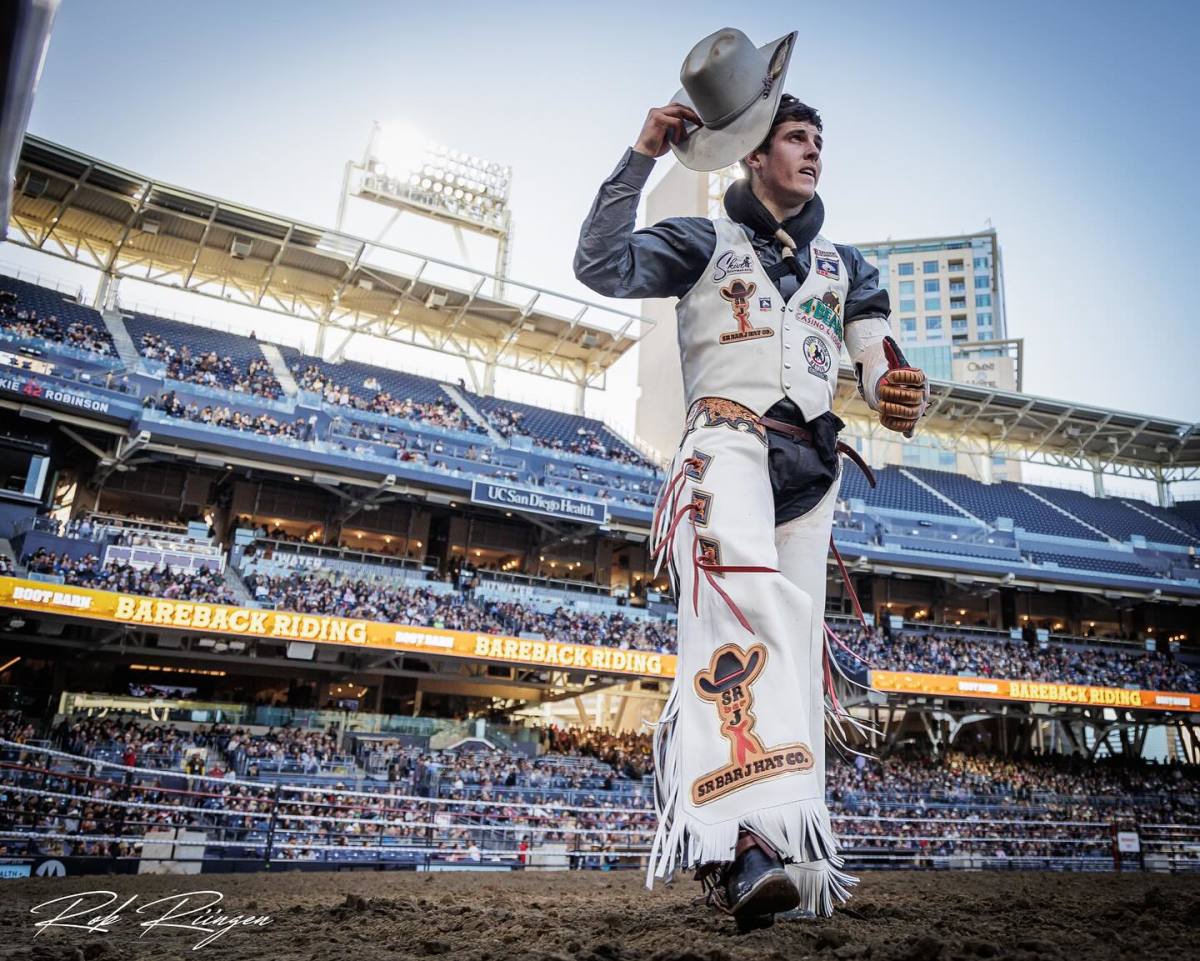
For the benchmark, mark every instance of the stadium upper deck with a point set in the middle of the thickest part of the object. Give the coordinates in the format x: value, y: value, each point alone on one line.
x: 187, y: 393
x: 127, y: 225
x: 74, y: 206
x: 142, y: 394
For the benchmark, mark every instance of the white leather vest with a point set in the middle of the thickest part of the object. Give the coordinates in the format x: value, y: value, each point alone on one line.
x: 739, y: 340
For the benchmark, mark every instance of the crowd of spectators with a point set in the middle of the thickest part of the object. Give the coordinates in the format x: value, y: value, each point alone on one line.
x: 644, y: 485
x: 383, y: 599
x: 159, y: 581
x: 436, y: 414
x: 934, y: 653
x: 24, y: 322
x: 408, y: 447
x: 506, y: 422
x: 910, y: 805
x: 129, y: 741
x: 285, y: 749
x: 437, y: 454
x: 492, y: 775
x: 628, y: 752
x: 212, y: 370
x: 169, y: 403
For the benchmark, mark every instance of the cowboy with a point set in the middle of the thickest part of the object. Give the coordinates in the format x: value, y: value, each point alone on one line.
x: 766, y: 307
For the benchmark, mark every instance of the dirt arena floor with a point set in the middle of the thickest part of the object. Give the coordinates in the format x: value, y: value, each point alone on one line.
x: 610, y: 917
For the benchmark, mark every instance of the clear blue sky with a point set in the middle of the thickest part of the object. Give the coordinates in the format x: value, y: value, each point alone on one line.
x: 1073, y: 127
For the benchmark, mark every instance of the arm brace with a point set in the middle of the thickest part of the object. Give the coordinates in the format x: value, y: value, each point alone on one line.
x: 864, y: 344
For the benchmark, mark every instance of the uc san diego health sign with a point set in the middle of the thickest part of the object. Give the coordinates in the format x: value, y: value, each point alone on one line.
x: 511, y: 497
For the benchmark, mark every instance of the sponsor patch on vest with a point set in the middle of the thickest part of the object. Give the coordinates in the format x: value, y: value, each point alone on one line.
x: 731, y: 262
x: 764, y: 303
x: 827, y: 262
x: 820, y: 362
x: 738, y: 293
x: 824, y: 315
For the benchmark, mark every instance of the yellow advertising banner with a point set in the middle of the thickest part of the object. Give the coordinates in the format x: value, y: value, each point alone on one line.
x: 138, y: 611
x: 943, y: 685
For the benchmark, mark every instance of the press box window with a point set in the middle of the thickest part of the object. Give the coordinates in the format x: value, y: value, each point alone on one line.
x: 23, y: 473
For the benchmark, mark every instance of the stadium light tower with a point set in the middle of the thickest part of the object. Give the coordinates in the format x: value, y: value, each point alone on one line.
x: 403, y: 170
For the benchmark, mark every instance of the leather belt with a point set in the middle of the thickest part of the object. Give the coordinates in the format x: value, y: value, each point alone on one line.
x: 803, y: 434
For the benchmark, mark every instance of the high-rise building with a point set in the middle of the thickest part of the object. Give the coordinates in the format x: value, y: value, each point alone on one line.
x: 944, y: 290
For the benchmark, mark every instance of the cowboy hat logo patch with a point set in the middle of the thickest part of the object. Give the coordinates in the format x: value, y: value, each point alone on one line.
x: 738, y: 293
x: 726, y: 683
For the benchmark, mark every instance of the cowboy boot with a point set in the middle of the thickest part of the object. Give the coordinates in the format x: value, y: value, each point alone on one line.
x: 754, y: 886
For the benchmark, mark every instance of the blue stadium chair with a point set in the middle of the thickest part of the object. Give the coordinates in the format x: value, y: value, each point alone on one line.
x: 1095, y: 565
x: 1006, y: 499
x: 893, y: 491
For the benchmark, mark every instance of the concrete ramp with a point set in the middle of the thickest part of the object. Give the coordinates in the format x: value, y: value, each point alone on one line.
x: 279, y: 368
x: 126, y: 349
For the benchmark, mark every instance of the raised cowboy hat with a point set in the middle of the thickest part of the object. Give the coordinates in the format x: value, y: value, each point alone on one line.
x: 735, y: 88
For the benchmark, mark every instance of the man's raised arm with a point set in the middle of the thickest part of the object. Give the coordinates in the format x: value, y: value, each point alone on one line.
x: 665, y: 260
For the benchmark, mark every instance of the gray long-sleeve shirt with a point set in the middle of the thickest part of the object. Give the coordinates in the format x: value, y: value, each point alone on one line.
x: 665, y: 260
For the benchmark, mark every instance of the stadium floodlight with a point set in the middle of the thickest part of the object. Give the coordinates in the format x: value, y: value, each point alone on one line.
x: 404, y: 170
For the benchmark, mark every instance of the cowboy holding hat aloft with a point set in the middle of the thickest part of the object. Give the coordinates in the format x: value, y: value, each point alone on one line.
x: 766, y: 307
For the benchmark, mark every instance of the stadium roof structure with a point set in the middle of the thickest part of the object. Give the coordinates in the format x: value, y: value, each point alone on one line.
x: 969, y: 419
x: 94, y: 213
x: 127, y: 225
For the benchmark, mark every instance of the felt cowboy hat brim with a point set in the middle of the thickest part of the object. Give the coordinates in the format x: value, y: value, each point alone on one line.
x: 719, y: 685
x: 713, y: 148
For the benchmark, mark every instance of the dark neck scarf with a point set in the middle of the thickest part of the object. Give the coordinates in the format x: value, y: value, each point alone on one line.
x: 795, y: 233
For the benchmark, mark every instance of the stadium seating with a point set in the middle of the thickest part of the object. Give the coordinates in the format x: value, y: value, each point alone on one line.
x: 353, y: 376
x: 1186, y: 511
x: 418, y: 413
x: 240, y: 362
x: 1187, y: 529
x: 73, y: 324
x: 1100, y: 565
x: 893, y: 491
x: 991, y: 501
x: 242, y: 350
x: 1114, y: 516
x: 559, y: 431
x: 936, y: 651
x: 964, y: 808
x: 957, y: 549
